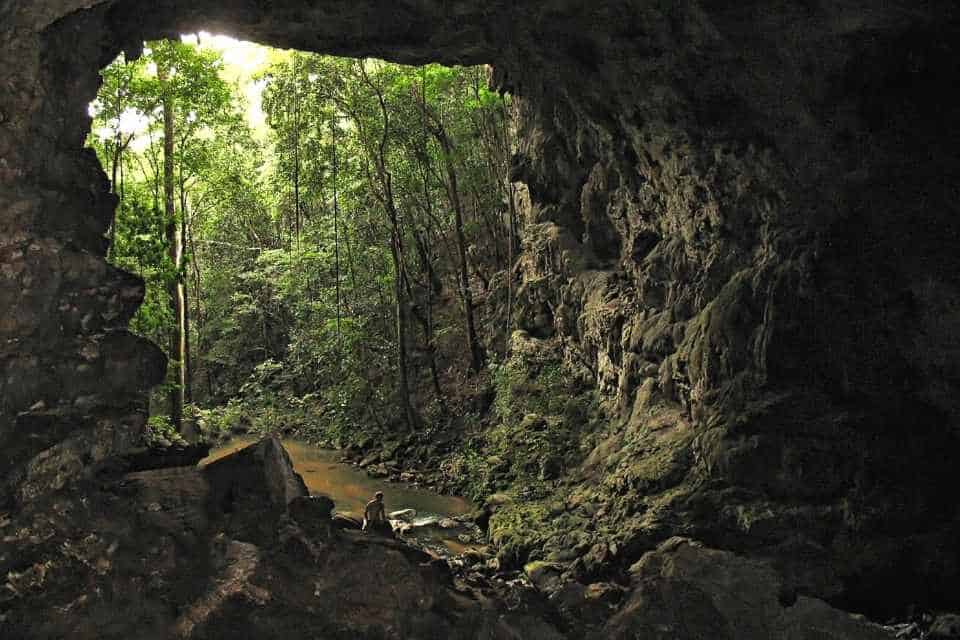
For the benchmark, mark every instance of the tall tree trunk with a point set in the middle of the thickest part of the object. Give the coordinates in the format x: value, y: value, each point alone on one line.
x: 173, y: 247
x: 473, y: 342
x: 400, y: 319
x: 386, y: 185
x: 296, y: 149
x: 198, y: 312
x: 113, y: 189
x: 117, y: 160
x: 336, y: 231
x: 507, y: 338
x: 435, y: 125
x: 184, y: 300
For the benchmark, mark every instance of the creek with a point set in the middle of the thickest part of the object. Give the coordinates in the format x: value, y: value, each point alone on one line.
x: 351, y: 488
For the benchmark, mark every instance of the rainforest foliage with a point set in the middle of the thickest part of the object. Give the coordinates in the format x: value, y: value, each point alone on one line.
x: 342, y: 264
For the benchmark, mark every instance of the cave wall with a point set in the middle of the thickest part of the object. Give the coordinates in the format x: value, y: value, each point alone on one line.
x: 743, y: 230
x: 741, y: 226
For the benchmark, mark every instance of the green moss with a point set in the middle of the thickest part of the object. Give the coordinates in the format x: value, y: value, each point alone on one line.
x: 661, y: 466
x: 521, y: 525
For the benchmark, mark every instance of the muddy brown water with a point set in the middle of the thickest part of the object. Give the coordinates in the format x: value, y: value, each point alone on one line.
x: 351, y: 488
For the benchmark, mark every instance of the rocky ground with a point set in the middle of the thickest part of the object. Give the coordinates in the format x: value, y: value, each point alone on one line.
x: 239, y: 550
x: 217, y: 553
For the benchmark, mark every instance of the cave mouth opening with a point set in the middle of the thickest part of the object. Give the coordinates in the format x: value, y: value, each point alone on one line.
x: 80, y: 380
x: 297, y: 188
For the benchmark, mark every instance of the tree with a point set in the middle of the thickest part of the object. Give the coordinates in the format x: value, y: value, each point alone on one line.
x: 334, y: 267
x: 174, y: 87
x: 434, y: 124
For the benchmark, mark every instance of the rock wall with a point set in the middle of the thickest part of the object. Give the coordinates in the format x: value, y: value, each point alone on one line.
x: 741, y: 226
x: 741, y: 222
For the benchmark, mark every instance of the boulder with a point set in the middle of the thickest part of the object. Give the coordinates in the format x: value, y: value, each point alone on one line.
x: 545, y: 576
x: 372, y: 458
x: 407, y: 515
x: 685, y: 591
x: 591, y: 604
x: 253, y: 487
x: 313, y: 513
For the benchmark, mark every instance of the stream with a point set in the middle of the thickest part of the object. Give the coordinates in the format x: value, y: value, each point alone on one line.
x: 439, y: 524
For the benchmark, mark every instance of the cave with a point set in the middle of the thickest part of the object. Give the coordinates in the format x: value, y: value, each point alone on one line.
x: 746, y: 212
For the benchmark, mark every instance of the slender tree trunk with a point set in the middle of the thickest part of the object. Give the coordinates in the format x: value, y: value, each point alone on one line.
x: 430, y: 337
x: 476, y: 351
x: 117, y: 159
x: 401, y: 323
x: 453, y: 192
x: 198, y: 312
x: 510, y: 252
x: 173, y: 244
x: 386, y: 185
x: 186, y: 357
x: 336, y: 232
x: 296, y: 150
x: 399, y: 276
x: 113, y: 189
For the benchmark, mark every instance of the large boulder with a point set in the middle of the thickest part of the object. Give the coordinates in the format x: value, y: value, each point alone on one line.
x: 253, y: 487
x: 685, y: 591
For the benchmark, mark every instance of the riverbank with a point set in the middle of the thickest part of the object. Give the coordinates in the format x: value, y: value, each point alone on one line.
x: 441, y: 524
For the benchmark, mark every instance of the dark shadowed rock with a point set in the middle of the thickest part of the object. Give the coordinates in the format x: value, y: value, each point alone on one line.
x: 145, y: 555
x: 945, y: 627
x: 160, y: 458
x: 684, y: 591
x: 253, y: 486
x: 313, y: 513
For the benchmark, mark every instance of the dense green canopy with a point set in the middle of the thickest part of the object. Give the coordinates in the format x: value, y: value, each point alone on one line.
x: 327, y: 268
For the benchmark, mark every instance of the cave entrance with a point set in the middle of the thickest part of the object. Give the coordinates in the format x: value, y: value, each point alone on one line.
x: 308, y: 229
x: 78, y: 380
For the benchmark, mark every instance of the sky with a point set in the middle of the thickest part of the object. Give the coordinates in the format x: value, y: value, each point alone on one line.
x: 242, y: 61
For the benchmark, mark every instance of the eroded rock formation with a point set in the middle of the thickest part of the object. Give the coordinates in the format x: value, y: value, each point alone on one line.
x: 741, y: 226
x: 162, y: 554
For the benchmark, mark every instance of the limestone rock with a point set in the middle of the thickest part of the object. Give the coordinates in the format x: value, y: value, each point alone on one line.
x: 407, y: 515
x: 254, y: 486
x: 313, y: 513
x: 684, y: 590
x: 153, y: 540
x: 545, y: 576
x: 738, y: 224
